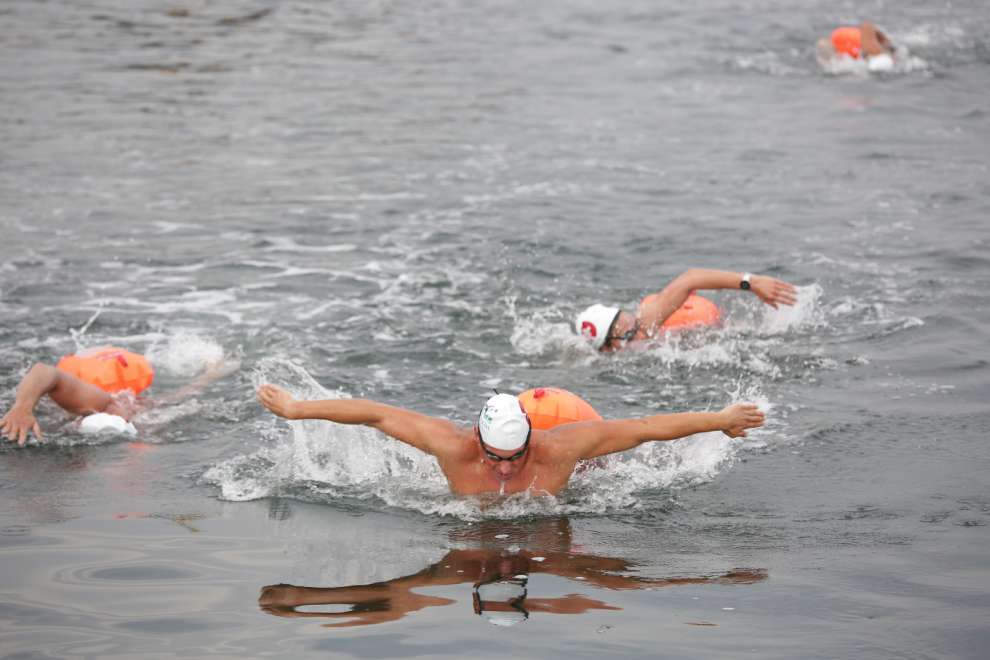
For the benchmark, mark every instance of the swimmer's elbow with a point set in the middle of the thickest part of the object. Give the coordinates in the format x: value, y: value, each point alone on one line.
x: 46, y: 375
x: 42, y: 368
x: 695, y: 278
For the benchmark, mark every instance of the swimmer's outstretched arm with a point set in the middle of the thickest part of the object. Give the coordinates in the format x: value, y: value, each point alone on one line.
x: 64, y: 389
x: 429, y: 434
x: 656, y: 307
x: 591, y: 439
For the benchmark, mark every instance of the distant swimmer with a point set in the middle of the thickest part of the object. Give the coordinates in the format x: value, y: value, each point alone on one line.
x: 610, y: 329
x: 865, y: 42
x: 504, y: 452
x: 100, y: 384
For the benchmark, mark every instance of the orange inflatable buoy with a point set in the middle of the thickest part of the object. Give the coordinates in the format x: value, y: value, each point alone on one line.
x: 847, y: 41
x: 696, y: 311
x: 548, y: 407
x: 111, y: 369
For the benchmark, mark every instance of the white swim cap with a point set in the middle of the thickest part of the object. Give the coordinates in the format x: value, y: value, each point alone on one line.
x: 594, y: 323
x: 105, y: 423
x: 503, y: 423
x: 880, y: 63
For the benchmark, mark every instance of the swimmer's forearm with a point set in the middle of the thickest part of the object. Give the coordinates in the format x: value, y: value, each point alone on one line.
x: 624, y: 434
x: 679, y: 425
x: 704, y: 278
x: 38, y: 382
x: 341, y: 411
x: 429, y: 434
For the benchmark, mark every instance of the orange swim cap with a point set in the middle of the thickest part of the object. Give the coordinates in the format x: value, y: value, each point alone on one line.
x: 111, y: 369
x: 847, y: 41
x: 548, y: 407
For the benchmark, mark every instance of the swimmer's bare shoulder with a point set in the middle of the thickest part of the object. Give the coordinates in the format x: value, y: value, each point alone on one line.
x: 566, y: 442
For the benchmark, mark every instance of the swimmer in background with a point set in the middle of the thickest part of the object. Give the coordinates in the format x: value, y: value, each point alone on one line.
x: 503, y: 453
x: 865, y: 42
x: 610, y: 329
x: 78, y: 397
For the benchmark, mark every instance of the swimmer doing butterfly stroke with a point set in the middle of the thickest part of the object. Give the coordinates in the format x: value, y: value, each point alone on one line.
x: 503, y: 452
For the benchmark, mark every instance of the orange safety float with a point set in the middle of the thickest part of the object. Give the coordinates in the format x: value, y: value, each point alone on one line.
x: 847, y: 41
x: 548, y: 407
x: 109, y: 368
x: 695, y: 312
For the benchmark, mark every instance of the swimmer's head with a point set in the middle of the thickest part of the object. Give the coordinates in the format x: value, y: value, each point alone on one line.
x: 595, y: 324
x: 882, y: 63
x: 103, y: 423
x: 503, y: 433
x: 503, y: 423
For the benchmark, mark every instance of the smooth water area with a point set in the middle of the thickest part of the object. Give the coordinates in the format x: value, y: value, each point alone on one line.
x: 410, y: 204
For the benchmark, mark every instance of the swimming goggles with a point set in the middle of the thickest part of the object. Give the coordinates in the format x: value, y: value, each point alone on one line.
x: 514, y: 457
x: 628, y: 335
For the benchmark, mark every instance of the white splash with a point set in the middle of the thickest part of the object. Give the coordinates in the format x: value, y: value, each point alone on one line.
x: 806, y: 312
x: 902, y: 62
x: 184, y: 353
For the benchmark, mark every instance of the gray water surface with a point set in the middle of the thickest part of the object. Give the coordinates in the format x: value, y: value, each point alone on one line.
x: 410, y: 203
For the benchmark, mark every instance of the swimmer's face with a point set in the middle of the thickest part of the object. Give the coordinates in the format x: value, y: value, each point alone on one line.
x: 621, y: 333
x: 511, y: 463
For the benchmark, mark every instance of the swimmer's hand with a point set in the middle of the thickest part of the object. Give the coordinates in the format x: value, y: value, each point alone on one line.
x: 739, y: 417
x: 277, y: 400
x: 772, y: 291
x: 17, y: 423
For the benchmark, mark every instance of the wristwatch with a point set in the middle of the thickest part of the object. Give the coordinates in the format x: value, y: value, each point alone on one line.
x: 744, y: 284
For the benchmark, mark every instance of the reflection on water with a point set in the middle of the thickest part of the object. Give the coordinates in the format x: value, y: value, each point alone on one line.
x: 499, y: 569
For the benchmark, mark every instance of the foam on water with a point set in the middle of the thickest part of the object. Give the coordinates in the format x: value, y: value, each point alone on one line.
x: 805, y: 313
x: 184, y: 353
x: 159, y: 416
x: 323, y: 462
x: 539, y: 334
x: 902, y: 62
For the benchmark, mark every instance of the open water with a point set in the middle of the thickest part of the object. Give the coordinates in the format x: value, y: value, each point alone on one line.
x: 409, y: 202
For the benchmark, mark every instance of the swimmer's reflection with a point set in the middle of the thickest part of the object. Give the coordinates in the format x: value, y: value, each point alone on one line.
x: 500, y: 591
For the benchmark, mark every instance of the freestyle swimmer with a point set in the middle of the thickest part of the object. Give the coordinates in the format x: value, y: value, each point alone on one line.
x: 503, y: 453
x: 610, y: 329
x: 865, y: 42
x: 102, y: 410
x: 69, y: 392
